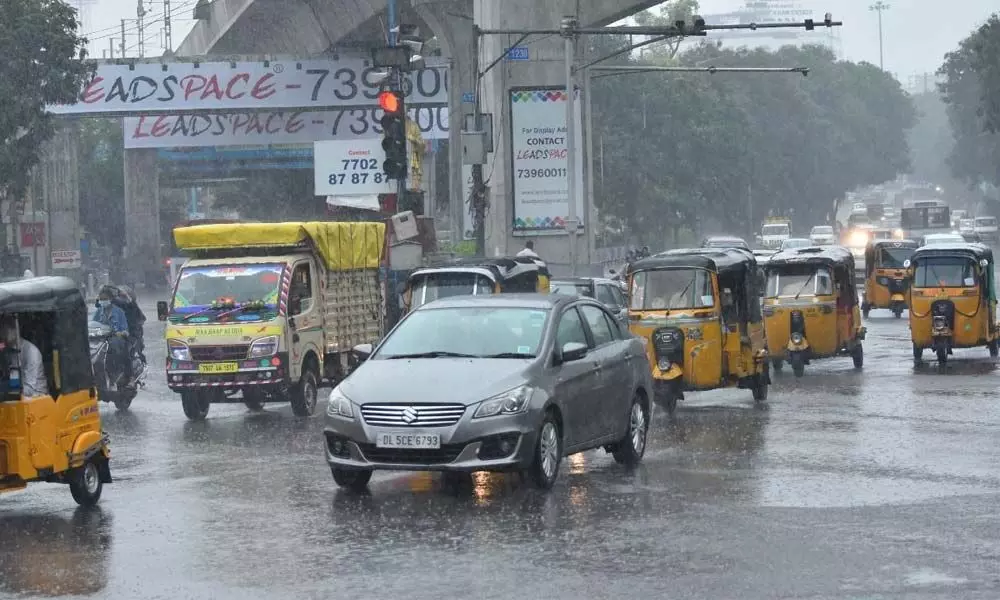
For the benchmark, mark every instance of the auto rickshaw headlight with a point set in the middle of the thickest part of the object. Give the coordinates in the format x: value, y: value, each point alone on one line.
x: 883, y: 280
x: 178, y: 350
x: 663, y: 364
x: 797, y: 338
x: 265, y: 346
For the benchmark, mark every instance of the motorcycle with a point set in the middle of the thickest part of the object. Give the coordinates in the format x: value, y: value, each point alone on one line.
x: 111, y: 386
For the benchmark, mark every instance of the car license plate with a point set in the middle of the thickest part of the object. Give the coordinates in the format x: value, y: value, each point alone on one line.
x: 224, y: 367
x: 406, y: 439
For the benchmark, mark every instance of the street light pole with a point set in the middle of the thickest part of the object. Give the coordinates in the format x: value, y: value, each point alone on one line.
x: 878, y: 7
x: 572, y: 219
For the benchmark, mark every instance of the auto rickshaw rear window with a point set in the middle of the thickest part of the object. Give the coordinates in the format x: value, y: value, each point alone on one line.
x: 806, y: 281
x: 893, y: 258
x: 945, y: 271
x: 672, y: 289
x: 434, y: 286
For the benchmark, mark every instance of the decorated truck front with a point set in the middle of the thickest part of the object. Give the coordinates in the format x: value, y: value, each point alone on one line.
x: 269, y: 311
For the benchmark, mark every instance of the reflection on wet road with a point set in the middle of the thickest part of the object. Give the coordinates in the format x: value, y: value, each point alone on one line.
x: 875, y: 484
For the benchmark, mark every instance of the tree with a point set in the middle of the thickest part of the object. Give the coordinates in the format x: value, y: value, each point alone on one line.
x: 42, y: 65
x: 669, y: 13
x: 971, y: 88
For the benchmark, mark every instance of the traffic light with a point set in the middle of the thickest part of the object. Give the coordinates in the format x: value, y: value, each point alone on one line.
x: 394, y: 134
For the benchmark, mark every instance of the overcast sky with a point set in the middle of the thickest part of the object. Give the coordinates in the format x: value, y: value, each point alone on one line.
x: 917, y: 33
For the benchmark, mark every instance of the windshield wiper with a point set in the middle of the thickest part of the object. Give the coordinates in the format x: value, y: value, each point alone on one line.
x: 685, y: 290
x: 509, y: 355
x: 250, y: 305
x: 803, y: 288
x: 197, y: 313
x: 433, y: 354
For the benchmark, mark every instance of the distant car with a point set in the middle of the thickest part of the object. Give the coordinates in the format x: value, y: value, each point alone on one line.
x: 796, y: 243
x: 942, y: 238
x: 986, y: 227
x: 966, y: 226
x: 859, y: 208
x: 491, y: 383
x: 822, y: 235
x: 725, y: 241
x: 606, y: 291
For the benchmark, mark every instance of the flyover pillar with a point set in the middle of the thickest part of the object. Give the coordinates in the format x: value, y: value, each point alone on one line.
x: 56, y: 188
x: 142, y: 218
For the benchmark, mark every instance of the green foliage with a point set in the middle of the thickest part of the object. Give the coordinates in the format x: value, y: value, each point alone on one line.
x: 41, y: 66
x: 680, y: 150
x: 669, y: 13
x: 972, y: 91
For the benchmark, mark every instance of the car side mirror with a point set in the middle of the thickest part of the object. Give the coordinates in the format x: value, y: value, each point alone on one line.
x: 162, y: 309
x: 363, y: 351
x: 573, y: 351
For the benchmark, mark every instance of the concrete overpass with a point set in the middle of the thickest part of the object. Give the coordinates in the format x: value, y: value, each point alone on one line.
x: 311, y: 27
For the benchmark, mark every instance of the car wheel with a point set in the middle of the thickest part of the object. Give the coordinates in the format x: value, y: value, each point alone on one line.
x: 352, y: 479
x: 196, y: 404
x: 630, y: 449
x: 798, y: 363
x: 85, y: 483
x: 548, y: 454
x: 858, y: 354
x: 253, y: 399
x: 305, y: 393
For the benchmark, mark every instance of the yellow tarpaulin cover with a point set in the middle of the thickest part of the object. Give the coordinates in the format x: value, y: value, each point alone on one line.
x: 343, y: 246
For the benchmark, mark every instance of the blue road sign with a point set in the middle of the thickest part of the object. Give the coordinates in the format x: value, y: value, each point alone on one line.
x: 518, y: 53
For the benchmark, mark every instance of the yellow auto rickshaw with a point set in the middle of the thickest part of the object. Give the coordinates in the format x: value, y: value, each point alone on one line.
x: 811, y: 307
x: 479, y: 276
x: 699, y: 309
x: 885, y: 277
x: 50, y: 425
x: 953, y: 299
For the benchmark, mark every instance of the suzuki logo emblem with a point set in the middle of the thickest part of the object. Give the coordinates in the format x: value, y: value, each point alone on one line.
x: 409, y: 415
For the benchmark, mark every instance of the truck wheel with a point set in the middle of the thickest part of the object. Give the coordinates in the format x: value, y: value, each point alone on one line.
x: 253, y: 399
x: 196, y: 404
x: 85, y: 483
x: 305, y: 393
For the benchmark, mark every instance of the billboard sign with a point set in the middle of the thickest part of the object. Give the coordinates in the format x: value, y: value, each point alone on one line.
x: 350, y: 168
x: 171, y: 87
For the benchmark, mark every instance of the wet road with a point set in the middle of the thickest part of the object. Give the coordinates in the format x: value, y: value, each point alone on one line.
x: 875, y: 484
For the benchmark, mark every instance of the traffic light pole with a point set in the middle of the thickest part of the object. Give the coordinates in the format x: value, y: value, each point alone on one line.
x: 392, y: 15
x: 477, y: 203
x: 572, y: 219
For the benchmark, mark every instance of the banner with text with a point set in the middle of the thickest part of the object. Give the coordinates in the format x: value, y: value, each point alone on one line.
x: 350, y: 168
x: 267, y: 128
x: 157, y: 88
x: 540, y: 160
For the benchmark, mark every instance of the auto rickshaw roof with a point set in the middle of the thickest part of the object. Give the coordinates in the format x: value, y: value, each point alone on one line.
x: 830, y: 256
x: 500, y: 268
x: 718, y: 260
x: 40, y: 294
x: 894, y: 244
x: 972, y: 249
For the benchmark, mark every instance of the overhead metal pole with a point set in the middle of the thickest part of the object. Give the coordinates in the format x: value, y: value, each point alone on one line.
x: 590, y: 225
x: 879, y: 7
x: 478, y: 200
x: 572, y: 219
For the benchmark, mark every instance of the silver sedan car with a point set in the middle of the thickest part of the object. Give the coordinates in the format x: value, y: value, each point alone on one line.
x: 492, y: 383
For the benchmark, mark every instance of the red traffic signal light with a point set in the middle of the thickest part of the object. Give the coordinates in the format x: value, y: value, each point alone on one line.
x: 391, y: 102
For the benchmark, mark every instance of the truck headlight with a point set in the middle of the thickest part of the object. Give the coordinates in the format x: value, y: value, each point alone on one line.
x: 265, y: 346
x: 339, y: 405
x: 508, y: 403
x: 178, y: 350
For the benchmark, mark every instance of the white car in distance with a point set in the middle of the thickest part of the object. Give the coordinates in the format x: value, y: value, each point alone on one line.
x: 822, y: 235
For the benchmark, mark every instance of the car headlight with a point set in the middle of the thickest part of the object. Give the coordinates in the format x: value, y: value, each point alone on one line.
x: 265, y: 346
x: 339, y: 405
x: 178, y: 350
x: 508, y: 403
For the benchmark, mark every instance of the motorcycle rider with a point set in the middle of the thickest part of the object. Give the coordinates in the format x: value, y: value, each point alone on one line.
x: 112, y: 316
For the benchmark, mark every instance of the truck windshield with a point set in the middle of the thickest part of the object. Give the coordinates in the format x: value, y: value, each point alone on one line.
x: 776, y: 230
x: 432, y: 286
x: 199, y: 287
x: 670, y: 289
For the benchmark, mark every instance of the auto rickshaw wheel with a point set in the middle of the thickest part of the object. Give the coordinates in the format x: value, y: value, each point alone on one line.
x: 760, y: 386
x: 994, y: 348
x: 897, y: 312
x: 858, y: 355
x: 667, y: 400
x: 196, y: 404
x: 918, y: 354
x: 942, y: 354
x: 778, y: 364
x: 865, y: 310
x: 798, y: 363
x: 85, y: 483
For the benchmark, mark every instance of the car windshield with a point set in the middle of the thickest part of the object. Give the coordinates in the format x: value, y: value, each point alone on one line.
x: 199, y: 287
x: 816, y: 282
x: 945, y: 271
x: 432, y: 286
x: 473, y: 332
x: 725, y: 243
x: 986, y: 222
x: 775, y: 230
x: 795, y: 243
x: 572, y: 288
x: 672, y: 289
x: 943, y: 238
x: 967, y: 223
x: 824, y: 230
x: 893, y: 258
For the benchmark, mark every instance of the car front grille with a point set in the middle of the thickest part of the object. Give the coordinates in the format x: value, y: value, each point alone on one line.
x: 425, y: 456
x: 207, y: 353
x: 412, y: 415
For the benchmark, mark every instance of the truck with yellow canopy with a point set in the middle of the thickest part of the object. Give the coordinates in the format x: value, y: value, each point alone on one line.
x: 270, y: 310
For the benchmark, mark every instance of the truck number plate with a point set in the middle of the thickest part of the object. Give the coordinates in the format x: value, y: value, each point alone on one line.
x: 223, y: 367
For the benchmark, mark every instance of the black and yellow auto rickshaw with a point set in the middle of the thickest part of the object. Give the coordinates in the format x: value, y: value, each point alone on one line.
x: 50, y: 425
x: 885, y: 276
x: 699, y: 309
x: 480, y: 276
x: 952, y: 299
x: 811, y: 307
